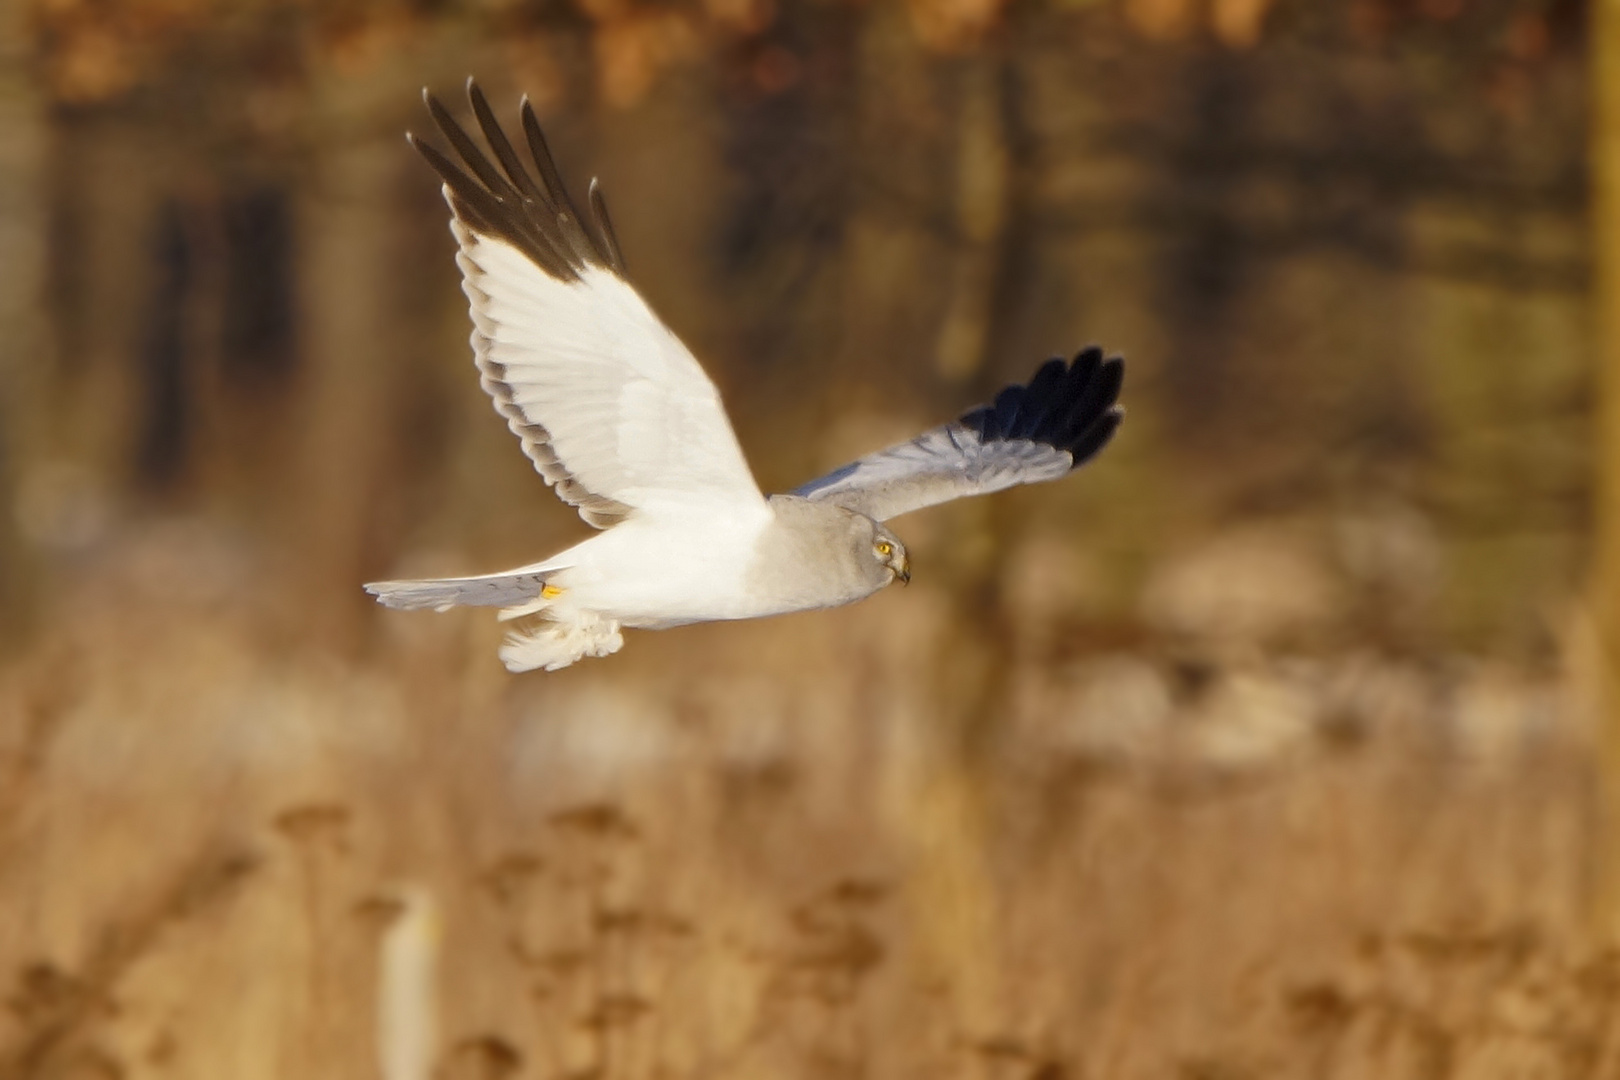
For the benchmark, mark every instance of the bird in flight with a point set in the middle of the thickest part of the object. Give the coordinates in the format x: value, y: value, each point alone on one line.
x: 621, y: 421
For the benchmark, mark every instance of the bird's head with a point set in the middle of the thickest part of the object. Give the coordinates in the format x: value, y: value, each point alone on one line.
x: 891, y: 554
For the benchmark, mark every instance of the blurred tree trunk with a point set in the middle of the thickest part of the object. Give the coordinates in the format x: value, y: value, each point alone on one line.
x: 983, y: 183
x: 370, y: 332
x: 954, y: 826
x: 350, y: 338
x: 1605, y: 157
x: 108, y: 182
x: 1494, y: 426
x: 23, y: 253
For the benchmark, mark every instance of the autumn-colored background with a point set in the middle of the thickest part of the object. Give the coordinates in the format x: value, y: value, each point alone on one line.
x: 1271, y: 745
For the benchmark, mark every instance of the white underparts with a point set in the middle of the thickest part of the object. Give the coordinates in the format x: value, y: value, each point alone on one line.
x: 560, y: 640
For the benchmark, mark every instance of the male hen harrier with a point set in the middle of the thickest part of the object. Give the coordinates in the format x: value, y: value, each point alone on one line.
x: 620, y: 419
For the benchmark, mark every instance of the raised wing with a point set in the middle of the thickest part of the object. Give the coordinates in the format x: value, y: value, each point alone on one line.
x: 1058, y: 422
x: 612, y: 409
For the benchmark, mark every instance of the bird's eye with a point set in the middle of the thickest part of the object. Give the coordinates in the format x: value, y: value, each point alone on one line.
x: 885, y: 548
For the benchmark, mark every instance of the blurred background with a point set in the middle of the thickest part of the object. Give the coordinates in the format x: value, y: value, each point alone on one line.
x: 1268, y: 745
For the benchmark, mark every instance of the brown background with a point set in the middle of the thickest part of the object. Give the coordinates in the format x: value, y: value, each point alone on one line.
x: 1262, y: 747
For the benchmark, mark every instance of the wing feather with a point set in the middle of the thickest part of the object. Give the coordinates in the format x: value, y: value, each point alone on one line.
x: 1041, y: 431
x: 614, y: 412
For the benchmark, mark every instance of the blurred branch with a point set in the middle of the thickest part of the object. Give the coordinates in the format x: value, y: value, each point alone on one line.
x: 58, y: 1009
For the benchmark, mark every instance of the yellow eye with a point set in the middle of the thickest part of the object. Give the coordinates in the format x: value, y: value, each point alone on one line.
x: 885, y: 548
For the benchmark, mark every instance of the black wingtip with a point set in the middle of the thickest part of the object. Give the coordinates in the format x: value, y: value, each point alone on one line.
x: 607, y: 239
x: 1097, y: 436
x: 503, y: 200
x: 1072, y: 406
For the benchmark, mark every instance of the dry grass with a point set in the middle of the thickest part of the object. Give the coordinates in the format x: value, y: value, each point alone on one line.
x: 836, y: 845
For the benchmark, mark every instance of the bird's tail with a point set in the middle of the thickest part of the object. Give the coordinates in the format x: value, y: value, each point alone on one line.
x: 565, y: 635
x: 520, y: 590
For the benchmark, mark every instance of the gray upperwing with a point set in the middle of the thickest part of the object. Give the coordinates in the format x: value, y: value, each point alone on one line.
x: 1031, y: 433
x: 949, y: 462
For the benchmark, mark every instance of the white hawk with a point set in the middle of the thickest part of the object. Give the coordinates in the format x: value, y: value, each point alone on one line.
x: 622, y: 422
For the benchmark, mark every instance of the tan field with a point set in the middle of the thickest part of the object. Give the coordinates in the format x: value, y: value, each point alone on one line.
x: 827, y: 845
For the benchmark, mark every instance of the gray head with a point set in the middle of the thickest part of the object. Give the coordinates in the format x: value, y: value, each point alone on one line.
x: 822, y: 555
x: 881, y: 552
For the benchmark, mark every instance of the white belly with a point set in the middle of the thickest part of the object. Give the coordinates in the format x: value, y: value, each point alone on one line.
x: 651, y: 574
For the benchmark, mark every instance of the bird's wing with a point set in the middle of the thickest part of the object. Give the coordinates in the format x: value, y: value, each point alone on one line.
x: 612, y: 409
x: 1058, y: 422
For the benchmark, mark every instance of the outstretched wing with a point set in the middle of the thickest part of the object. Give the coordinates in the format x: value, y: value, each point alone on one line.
x: 1058, y: 422
x: 612, y: 409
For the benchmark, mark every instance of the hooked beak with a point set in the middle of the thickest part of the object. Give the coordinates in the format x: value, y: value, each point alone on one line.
x: 903, y: 570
